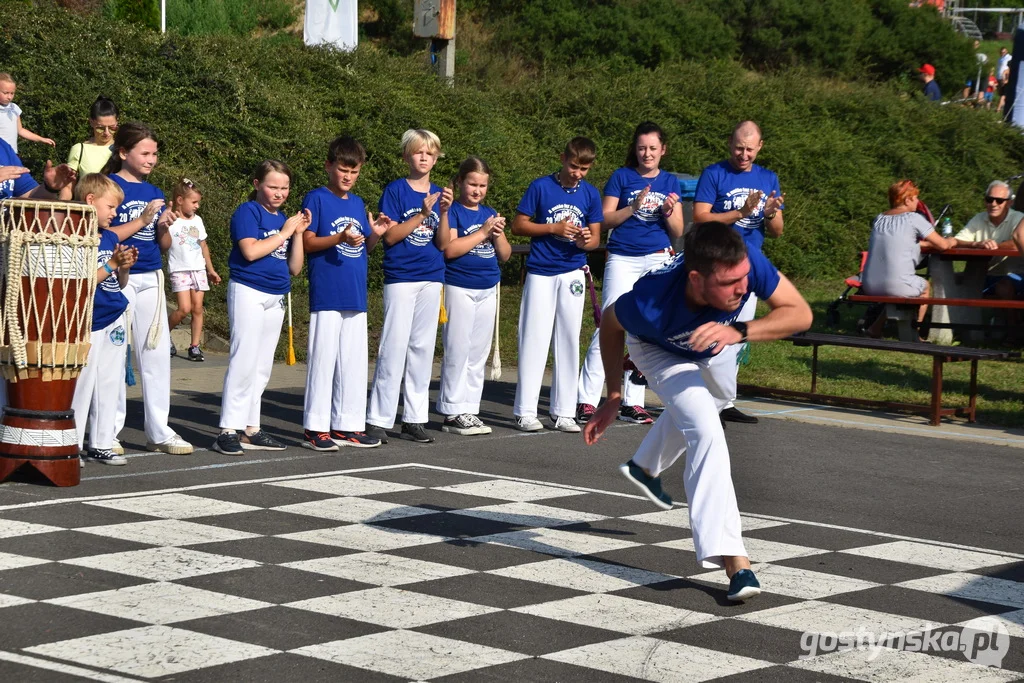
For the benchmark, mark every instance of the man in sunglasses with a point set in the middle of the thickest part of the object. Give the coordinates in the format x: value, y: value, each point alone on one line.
x: 993, y: 229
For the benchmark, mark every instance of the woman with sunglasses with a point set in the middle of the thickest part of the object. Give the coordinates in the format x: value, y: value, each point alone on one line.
x: 90, y: 156
x: 894, y: 250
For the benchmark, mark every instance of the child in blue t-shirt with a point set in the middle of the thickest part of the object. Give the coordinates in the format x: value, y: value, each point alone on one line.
x: 413, y: 273
x: 561, y: 214
x: 262, y: 262
x: 96, y: 391
x: 472, y: 272
x: 338, y: 240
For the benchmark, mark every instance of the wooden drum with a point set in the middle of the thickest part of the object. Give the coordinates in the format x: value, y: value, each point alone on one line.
x: 47, y: 279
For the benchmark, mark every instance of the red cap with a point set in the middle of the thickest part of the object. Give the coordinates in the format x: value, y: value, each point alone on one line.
x: 927, y: 69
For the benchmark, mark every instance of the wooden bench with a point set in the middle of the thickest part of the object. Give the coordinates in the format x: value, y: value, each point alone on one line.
x: 904, y: 309
x: 523, y: 250
x: 939, y: 354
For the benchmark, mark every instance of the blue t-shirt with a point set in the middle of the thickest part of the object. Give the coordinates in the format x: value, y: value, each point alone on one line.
x: 136, y: 196
x: 269, y: 274
x: 932, y: 91
x: 546, y: 201
x: 109, y: 301
x: 478, y: 268
x: 337, y: 275
x: 656, y: 311
x: 645, y: 231
x: 15, y: 187
x: 726, y: 189
x: 416, y: 258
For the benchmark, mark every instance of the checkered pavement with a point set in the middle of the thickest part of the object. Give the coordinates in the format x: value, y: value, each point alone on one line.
x: 413, y: 572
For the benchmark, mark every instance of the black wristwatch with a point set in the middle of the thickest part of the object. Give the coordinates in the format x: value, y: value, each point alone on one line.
x: 741, y: 328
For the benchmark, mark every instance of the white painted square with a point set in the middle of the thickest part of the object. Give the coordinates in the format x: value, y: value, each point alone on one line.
x: 797, y: 583
x: 173, y: 532
x: 927, y: 555
x: 379, y: 569
x: 680, y: 517
x: 583, y: 575
x: 410, y: 655
x: 555, y: 542
x: 173, y: 506
x: 658, y: 660
x: 505, y: 489
x: 616, y: 613
x: 151, y: 651
x: 825, y: 617
x: 900, y: 665
x: 163, y: 564
x: 160, y: 603
x: 12, y: 600
x: 529, y: 514
x: 392, y: 607
x: 972, y: 587
x: 9, y: 528
x: 365, y: 537
x: 354, y: 510
x: 1013, y: 621
x: 9, y: 561
x: 758, y: 549
x: 340, y: 485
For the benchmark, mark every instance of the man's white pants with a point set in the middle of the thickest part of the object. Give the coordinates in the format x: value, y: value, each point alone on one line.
x: 620, y: 274
x: 552, y: 308
x: 406, y: 349
x: 255, y: 318
x: 96, y: 391
x: 336, y: 399
x: 152, y: 366
x: 467, y: 339
x: 725, y: 366
x: 690, y: 425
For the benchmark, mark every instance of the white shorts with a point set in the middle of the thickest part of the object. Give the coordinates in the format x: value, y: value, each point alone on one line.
x: 184, y: 280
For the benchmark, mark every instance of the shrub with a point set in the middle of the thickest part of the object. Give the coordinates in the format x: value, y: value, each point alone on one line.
x: 144, y: 12
x: 228, y: 17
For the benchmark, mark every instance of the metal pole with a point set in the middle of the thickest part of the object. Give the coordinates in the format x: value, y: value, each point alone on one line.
x: 163, y: 16
x: 445, y: 51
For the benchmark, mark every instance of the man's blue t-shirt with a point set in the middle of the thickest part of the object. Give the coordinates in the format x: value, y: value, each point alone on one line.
x: 546, y: 201
x: 269, y: 274
x: 645, y: 231
x: 136, y: 197
x: 655, y: 311
x: 15, y: 187
x: 416, y: 258
x: 932, y: 91
x: 478, y: 268
x: 109, y: 301
x: 726, y: 189
x: 337, y: 275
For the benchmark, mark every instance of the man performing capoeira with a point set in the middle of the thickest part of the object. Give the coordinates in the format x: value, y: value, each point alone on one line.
x: 678, y: 317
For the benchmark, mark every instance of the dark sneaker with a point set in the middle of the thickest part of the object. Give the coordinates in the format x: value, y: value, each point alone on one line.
x: 260, y: 441
x: 637, y: 378
x: 584, y: 411
x: 375, y: 432
x: 354, y: 439
x: 104, y: 456
x: 318, y: 441
x: 636, y: 415
x: 464, y: 425
x: 228, y: 444
x: 732, y: 414
x: 648, y: 485
x: 196, y: 354
x: 414, y: 431
x: 174, y: 350
x: 743, y: 585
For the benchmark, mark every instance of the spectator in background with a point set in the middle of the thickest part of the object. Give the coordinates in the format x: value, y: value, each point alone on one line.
x: 931, y: 88
x: 1003, y: 76
x: 90, y: 156
x: 10, y: 117
x: 994, y: 228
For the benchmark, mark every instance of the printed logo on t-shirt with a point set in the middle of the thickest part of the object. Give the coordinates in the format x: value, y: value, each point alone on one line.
x: 282, y: 251
x: 188, y: 237
x: 131, y: 210
x: 650, y: 208
x: 110, y: 283
x: 576, y: 287
x: 352, y: 226
x: 424, y: 232
x: 485, y: 249
x: 570, y: 213
x: 667, y: 266
x: 117, y: 336
x: 736, y: 199
x: 682, y: 340
x: 7, y: 189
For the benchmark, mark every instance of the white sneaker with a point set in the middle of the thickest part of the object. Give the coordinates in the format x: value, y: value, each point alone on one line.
x: 481, y: 428
x: 528, y: 424
x: 567, y: 424
x: 173, y: 446
x: 117, y: 448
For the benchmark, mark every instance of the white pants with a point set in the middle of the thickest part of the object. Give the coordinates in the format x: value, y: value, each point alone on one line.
x: 336, y: 399
x: 467, y: 339
x: 406, y: 350
x: 690, y: 425
x: 96, y: 392
x: 552, y: 307
x: 152, y: 366
x: 255, y: 318
x: 725, y: 366
x: 620, y: 274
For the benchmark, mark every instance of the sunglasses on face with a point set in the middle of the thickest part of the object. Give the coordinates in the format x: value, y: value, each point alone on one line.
x: 109, y: 129
x: 997, y: 200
